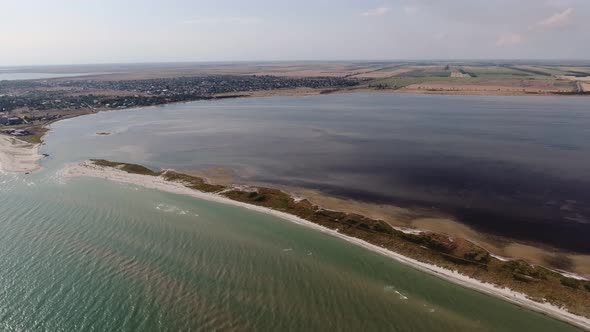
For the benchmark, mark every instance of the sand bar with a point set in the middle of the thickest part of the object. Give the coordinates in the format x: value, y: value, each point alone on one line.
x: 17, y: 156
x: 87, y: 169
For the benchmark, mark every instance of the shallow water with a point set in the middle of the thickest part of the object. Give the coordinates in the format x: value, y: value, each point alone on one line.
x: 513, y: 166
x: 88, y: 254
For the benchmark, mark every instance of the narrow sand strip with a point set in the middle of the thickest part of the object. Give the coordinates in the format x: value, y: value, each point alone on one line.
x: 17, y: 156
x: 151, y: 182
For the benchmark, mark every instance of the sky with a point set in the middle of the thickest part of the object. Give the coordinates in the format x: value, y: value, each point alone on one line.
x: 36, y: 32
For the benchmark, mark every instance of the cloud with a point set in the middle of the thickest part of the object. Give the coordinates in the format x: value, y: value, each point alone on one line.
x: 380, y: 11
x: 222, y: 20
x: 509, y: 39
x: 557, y: 20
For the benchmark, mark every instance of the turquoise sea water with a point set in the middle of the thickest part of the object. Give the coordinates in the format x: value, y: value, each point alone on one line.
x: 92, y: 255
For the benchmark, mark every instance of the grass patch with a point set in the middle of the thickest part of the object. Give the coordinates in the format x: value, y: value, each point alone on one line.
x: 192, y: 182
x: 129, y: 168
x: 395, y: 82
x: 571, y: 282
x: 464, y: 72
x: 398, y: 82
x: 426, y: 73
x: 529, y: 71
x: 569, y: 71
x: 577, y: 74
x: 496, y: 72
x: 34, y: 139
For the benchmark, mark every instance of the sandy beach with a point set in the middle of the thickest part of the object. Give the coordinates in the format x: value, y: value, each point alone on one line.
x: 17, y: 156
x: 87, y: 169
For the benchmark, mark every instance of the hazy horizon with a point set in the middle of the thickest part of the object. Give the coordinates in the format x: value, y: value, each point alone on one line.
x: 308, y: 61
x: 67, y: 32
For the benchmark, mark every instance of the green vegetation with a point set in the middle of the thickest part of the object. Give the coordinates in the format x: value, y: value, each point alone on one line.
x: 426, y: 73
x: 496, y: 71
x: 529, y: 71
x: 577, y: 73
x: 394, y: 82
x: 571, y: 282
x: 398, y: 82
x: 477, y: 73
x: 569, y: 71
x: 387, y: 68
x: 521, y: 268
x: 34, y: 139
x: 129, y: 168
x: 438, y: 249
x: 472, y: 74
x: 191, y: 181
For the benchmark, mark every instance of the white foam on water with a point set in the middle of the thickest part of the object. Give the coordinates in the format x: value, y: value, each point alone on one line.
x: 166, y: 208
x: 401, y: 296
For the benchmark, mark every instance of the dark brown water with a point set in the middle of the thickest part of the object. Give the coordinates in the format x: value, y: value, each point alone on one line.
x: 513, y: 166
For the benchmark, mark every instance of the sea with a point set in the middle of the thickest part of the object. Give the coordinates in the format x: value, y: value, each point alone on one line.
x: 92, y: 255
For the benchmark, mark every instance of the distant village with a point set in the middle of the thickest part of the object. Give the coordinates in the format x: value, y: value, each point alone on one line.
x: 43, y: 95
x: 28, y: 102
x: 10, y: 121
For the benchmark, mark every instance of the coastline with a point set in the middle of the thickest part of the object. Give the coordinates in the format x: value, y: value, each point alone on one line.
x: 18, y: 156
x: 418, y: 220
x: 89, y: 169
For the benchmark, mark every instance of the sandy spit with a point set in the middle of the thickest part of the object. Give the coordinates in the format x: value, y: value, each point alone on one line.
x: 87, y: 169
x: 17, y: 156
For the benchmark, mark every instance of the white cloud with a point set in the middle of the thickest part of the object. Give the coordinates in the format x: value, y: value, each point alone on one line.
x: 509, y: 39
x: 222, y: 20
x: 557, y: 19
x: 380, y: 11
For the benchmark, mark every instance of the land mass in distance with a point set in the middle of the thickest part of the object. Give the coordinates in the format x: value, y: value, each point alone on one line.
x: 26, y: 105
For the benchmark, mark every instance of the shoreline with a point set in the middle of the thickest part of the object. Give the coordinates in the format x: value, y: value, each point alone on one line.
x: 18, y: 156
x: 88, y: 169
x: 414, y: 219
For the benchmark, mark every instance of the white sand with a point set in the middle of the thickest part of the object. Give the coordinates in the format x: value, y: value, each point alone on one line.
x: 151, y: 182
x: 17, y: 156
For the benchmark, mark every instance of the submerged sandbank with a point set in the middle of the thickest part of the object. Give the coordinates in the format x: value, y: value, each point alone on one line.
x: 17, y: 156
x: 153, y: 181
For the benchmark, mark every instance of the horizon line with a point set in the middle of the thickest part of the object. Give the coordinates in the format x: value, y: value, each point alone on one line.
x: 450, y: 60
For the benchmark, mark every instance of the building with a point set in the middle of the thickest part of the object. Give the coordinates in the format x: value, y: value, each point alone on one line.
x: 18, y: 132
x: 11, y: 121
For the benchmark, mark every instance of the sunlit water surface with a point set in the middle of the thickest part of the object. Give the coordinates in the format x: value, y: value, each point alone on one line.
x: 88, y: 254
